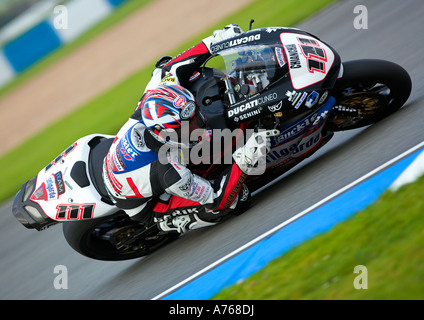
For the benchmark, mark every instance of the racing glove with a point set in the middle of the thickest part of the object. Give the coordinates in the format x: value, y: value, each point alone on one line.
x: 251, y: 158
x: 230, y: 31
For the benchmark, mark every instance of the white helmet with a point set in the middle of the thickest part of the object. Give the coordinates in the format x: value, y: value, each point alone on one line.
x: 166, y: 109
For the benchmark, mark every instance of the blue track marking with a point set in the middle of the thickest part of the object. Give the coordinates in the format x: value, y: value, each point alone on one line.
x: 318, y: 221
x: 32, y: 46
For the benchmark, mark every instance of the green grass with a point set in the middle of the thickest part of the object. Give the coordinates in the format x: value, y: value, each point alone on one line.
x: 387, y: 238
x: 106, y: 113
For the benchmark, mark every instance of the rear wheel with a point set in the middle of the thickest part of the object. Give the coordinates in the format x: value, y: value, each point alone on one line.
x: 369, y: 91
x: 114, y: 238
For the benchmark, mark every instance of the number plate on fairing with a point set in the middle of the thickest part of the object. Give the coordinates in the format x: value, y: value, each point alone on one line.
x: 309, y: 59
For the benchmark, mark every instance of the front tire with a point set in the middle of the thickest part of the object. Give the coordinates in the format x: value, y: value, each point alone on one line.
x: 369, y: 91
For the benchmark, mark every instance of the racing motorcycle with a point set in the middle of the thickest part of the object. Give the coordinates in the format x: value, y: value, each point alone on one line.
x: 274, y: 78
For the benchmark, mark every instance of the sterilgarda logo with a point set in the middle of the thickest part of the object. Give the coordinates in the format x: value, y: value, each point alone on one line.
x: 52, y: 193
x: 296, y: 148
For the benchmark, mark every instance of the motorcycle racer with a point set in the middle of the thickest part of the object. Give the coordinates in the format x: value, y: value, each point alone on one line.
x: 138, y: 180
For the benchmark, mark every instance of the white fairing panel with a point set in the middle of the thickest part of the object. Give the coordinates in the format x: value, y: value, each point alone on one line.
x: 60, y: 196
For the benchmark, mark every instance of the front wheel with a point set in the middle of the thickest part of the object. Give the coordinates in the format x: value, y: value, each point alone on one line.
x: 114, y: 238
x: 369, y: 91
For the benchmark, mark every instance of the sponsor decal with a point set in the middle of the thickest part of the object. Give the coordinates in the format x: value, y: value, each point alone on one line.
x: 293, y: 96
x: 312, y: 99
x: 299, y: 103
x: 323, y: 115
x: 110, y: 179
x: 59, y: 182
x: 40, y: 193
x: 269, y: 30
x: 310, y: 123
x: 186, y: 186
x: 293, y: 55
x: 117, y: 160
x: 197, y: 190
x: 294, y: 149
x: 51, y: 190
x: 293, y: 131
x: 195, y: 76
x: 178, y: 212
x: 235, y: 190
x: 244, y: 194
x: 235, y: 42
x: 137, y: 138
x: 252, y: 104
x: 168, y: 79
x: 247, y: 115
x: 308, y: 58
x: 244, y: 107
x: 276, y: 107
x: 296, y: 98
x: 61, y: 156
x: 280, y: 57
x: 323, y: 97
x: 126, y: 150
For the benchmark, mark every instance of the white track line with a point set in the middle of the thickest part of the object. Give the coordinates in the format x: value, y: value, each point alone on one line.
x: 285, y: 223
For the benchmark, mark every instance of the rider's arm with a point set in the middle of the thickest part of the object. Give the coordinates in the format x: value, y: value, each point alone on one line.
x: 185, y: 64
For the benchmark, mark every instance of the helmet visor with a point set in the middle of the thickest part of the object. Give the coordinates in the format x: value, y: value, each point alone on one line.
x: 189, y: 133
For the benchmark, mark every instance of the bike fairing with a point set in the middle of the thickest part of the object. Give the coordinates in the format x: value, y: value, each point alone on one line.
x: 312, y: 67
x: 72, y: 195
x: 299, y: 139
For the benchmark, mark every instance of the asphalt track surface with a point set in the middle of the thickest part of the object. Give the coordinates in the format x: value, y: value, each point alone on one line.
x: 395, y: 33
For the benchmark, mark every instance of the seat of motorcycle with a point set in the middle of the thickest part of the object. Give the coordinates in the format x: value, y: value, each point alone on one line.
x: 99, y: 149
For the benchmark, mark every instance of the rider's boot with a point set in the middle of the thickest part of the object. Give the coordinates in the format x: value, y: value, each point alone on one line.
x: 182, y: 223
x: 183, y: 220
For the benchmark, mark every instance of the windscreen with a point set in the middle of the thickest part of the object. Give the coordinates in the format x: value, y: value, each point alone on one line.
x: 251, y: 68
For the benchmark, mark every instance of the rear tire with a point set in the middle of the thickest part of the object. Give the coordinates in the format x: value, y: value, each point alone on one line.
x: 369, y: 91
x: 91, y: 238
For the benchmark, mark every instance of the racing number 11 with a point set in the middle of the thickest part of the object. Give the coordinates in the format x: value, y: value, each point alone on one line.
x: 314, y: 54
x: 75, y: 211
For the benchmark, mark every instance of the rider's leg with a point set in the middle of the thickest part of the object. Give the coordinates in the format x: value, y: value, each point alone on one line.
x: 174, y: 213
